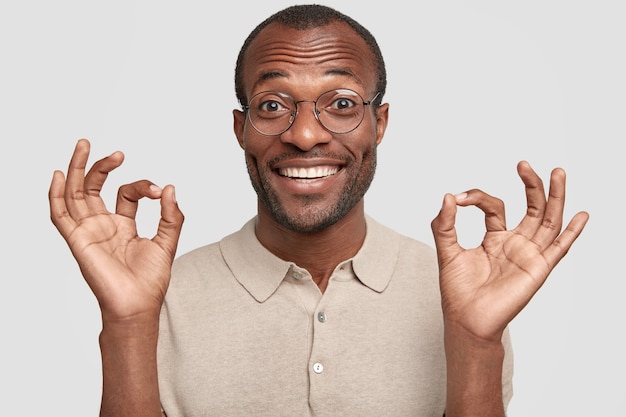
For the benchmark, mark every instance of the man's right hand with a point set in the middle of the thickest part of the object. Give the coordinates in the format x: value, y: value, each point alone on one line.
x: 128, y: 274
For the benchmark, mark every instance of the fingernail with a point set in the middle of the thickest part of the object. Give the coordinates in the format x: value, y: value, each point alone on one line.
x: 155, y: 188
x: 460, y: 196
x: 174, y: 194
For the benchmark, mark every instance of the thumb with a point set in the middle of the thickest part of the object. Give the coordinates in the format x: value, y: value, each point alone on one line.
x: 171, y: 222
x: 443, y: 229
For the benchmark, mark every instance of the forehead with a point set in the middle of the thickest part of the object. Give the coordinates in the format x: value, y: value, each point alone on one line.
x: 315, y: 58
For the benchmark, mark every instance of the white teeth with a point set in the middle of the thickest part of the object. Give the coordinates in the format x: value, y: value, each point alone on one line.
x: 313, y: 172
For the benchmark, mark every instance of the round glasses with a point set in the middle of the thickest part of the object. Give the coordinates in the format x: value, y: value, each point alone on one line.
x: 339, y: 111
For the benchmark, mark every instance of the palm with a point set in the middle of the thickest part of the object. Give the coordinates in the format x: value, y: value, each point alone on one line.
x: 126, y: 272
x: 494, y: 280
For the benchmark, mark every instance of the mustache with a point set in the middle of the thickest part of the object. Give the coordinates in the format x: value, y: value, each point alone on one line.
x: 313, y: 153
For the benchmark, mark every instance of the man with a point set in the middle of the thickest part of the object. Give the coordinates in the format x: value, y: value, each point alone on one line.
x: 312, y: 308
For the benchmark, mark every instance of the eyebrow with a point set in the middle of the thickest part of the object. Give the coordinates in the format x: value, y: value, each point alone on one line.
x: 343, y: 72
x: 270, y: 74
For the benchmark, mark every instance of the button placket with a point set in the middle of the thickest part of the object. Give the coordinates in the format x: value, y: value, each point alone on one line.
x: 321, y: 318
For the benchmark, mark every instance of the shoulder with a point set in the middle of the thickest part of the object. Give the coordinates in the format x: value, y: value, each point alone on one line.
x: 212, y: 255
x: 196, y: 258
x: 380, y: 235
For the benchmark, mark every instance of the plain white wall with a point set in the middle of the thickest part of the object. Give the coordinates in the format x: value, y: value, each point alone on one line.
x: 474, y: 87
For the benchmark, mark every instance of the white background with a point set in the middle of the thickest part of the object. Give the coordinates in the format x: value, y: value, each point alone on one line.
x: 474, y: 87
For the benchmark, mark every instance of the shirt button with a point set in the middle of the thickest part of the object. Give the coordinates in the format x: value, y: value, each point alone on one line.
x: 318, y: 368
x: 297, y: 275
x: 321, y: 317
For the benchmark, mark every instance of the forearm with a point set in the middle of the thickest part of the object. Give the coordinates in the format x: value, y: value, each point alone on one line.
x: 474, y: 375
x: 129, y: 370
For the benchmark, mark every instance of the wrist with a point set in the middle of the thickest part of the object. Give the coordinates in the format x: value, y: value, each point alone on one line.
x: 142, y: 328
x: 457, y: 336
x: 471, y: 355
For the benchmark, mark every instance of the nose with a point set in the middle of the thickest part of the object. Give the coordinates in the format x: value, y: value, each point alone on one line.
x: 306, y: 131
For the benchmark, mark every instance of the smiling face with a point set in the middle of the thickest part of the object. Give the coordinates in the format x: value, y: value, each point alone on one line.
x: 308, y: 178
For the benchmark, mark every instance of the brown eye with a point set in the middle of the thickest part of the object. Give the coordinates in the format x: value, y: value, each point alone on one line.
x: 270, y: 106
x: 343, y: 103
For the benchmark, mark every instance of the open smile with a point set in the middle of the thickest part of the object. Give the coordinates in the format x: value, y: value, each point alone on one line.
x: 308, y: 174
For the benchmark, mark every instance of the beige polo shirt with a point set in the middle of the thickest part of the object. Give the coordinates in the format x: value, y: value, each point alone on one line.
x: 244, y: 333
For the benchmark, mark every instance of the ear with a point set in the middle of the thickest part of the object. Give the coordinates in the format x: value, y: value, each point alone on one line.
x: 239, y: 121
x: 382, y: 117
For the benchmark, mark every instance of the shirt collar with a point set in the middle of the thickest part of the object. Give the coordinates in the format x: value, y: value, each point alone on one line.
x: 260, y: 272
x: 376, y: 260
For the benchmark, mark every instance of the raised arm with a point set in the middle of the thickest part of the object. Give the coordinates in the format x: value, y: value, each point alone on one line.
x: 484, y: 288
x: 128, y: 274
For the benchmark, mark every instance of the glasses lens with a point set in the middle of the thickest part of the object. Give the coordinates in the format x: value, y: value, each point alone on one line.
x: 271, y: 112
x: 340, y: 111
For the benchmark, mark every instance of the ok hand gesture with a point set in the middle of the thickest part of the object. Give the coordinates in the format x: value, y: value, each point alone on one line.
x: 484, y: 288
x: 128, y: 274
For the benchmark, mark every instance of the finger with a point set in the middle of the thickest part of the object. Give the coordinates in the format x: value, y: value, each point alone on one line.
x: 171, y: 222
x: 492, y: 207
x: 444, y: 232
x: 128, y: 196
x: 552, y: 221
x: 535, y: 200
x: 95, y: 179
x: 58, y: 211
x: 74, y: 183
x: 561, y: 245
x: 82, y: 192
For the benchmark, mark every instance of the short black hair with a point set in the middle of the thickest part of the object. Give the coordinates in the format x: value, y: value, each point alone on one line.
x: 302, y: 17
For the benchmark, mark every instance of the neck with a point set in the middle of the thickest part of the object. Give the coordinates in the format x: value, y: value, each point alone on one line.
x: 318, y: 252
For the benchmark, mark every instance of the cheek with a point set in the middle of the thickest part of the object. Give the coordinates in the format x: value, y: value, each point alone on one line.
x: 253, y: 154
x: 256, y: 157
x: 362, y: 149
x: 364, y: 139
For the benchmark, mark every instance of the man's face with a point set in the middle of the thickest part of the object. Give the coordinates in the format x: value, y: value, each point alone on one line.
x: 308, y: 178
